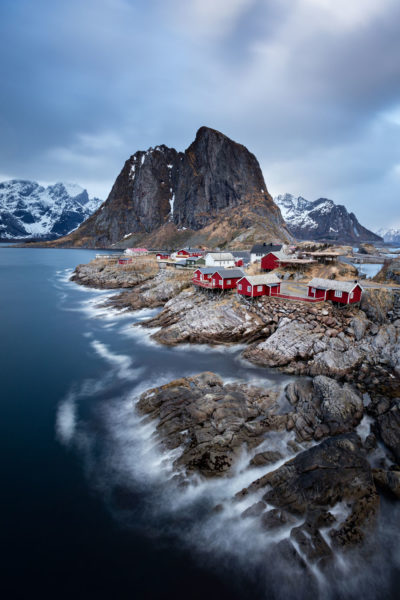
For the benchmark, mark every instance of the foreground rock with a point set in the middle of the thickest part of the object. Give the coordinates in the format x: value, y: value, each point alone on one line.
x: 325, y: 494
x: 210, y: 421
x: 316, y: 480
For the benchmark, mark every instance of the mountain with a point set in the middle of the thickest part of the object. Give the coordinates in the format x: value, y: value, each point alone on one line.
x: 391, y: 236
x: 322, y: 219
x: 29, y: 210
x: 212, y: 193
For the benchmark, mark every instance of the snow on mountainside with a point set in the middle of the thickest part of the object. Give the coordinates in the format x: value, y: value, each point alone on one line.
x: 321, y: 219
x: 29, y: 210
x: 392, y: 236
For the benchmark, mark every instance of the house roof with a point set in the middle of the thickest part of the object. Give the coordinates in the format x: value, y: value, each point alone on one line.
x: 190, y: 250
x: 229, y: 273
x: 221, y: 255
x: 206, y: 270
x: 260, y: 248
x: 267, y: 279
x: 241, y: 254
x: 280, y: 255
x: 332, y: 284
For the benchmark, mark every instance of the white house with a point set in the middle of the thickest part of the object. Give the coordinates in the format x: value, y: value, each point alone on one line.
x: 219, y: 259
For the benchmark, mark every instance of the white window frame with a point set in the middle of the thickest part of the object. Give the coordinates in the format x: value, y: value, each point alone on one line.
x: 239, y: 286
x: 313, y: 290
x: 351, y: 295
x: 338, y: 294
x: 259, y: 288
x: 228, y: 282
x: 249, y: 288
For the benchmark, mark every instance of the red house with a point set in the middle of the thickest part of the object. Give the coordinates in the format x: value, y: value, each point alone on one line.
x: 259, y: 285
x: 186, y: 252
x: 124, y: 260
x: 226, y: 279
x: 273, y: 260
x: 344, y: 292
x: 202, y: 277
x: 239, y: 262
x: 162, y: 256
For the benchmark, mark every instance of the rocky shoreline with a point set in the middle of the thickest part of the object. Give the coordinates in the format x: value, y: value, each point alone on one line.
x: 341, y: 418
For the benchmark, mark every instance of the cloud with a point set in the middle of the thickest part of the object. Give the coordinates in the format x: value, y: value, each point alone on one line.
x: 312, y: 87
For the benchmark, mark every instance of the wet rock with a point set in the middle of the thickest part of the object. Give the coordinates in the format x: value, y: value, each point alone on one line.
x: 388, y: 481
x: 265, y: 458
x: 210, y: 421
x: 311, y: 543
x: 389, y: 429
x: 333, y: 471
x: 255, y: 510
x: 275, y: 518
x: 322, y: 407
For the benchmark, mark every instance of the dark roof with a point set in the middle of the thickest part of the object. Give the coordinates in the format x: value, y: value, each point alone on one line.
x: 229, y: 273
x: 260, y: 248
x: 240, y: 254
x: 206, y: 270
x: 191, y: 250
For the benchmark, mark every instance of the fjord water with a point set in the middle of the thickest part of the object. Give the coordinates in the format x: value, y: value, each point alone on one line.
x: 70, y: 525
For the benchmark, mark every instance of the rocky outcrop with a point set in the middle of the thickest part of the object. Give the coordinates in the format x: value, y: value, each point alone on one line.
x: 210, y: 421
x: 104, y: 274
x: 193, y: 317
x: 209, y: 424
x: 322, y: 219
x: 165, y: 195
x: 315, y: 481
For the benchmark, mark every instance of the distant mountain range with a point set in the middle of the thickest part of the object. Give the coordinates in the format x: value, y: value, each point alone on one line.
x: 391, y: 236
x: 29, y: 210
x: 322, y: 220
x: 211, y: 194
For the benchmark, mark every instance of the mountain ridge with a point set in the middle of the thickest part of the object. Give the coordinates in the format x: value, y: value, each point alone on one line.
x: 322, y: 220
x: 29, y: 210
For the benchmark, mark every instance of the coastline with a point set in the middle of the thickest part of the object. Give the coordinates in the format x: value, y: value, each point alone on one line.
x: 324, y: 414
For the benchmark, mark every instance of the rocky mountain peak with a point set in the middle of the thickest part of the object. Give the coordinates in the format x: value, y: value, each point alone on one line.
x: 185, y: 191
x: 322, y: 219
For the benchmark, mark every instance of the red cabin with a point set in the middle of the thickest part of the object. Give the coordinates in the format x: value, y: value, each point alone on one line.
x: 273, y: 260
x: 226, y: 279
x: 344, y: 292
x: 162, y: 256
x: 187, y: 252
x: 202, y: 277
x: 259, y: 285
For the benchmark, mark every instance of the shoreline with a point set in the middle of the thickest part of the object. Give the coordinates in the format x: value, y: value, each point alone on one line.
x: 311, y: 414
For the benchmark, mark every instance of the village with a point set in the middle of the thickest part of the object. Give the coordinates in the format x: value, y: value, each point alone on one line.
x: 267, y: 269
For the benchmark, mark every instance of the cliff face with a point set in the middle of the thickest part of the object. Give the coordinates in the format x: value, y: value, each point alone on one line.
x: 215, y: 189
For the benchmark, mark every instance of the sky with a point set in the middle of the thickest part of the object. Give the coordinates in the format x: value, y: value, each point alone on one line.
x: 311, y: 87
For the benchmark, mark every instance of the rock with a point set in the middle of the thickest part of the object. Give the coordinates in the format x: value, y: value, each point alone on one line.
x: 265, y: 458
x: 359, y: 326
x: 210, y: 421
x: 275, y: 518
x: 103, y: 274
x: 323, y: 407
x: 311, y: 542
x: 333, y: 471
x: 293, y: 341
x: 389, y: 430
x: 213, y: 181
x: 377, y: 303
x: 255, y: 510
x: 388, y: 481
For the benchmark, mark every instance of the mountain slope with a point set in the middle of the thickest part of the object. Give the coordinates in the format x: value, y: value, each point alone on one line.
x: 322, y: 219
x: 214, y: 192
x: 28, y: 210
x: 391, y: 236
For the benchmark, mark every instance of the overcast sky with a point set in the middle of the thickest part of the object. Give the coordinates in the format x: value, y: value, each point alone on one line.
x: 312, y: 87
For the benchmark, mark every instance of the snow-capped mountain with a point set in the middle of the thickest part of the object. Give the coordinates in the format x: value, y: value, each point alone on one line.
x: 29, y: 210
x: 392, y: 236
x: 322, y: 219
